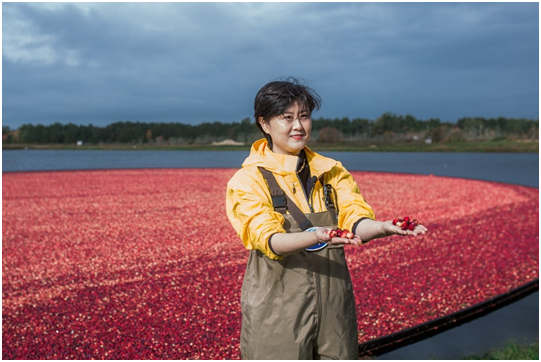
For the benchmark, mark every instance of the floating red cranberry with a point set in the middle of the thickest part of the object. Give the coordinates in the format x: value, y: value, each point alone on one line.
x: 99, y: 265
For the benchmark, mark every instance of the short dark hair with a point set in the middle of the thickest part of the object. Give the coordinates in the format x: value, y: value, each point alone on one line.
x: 275, y: 98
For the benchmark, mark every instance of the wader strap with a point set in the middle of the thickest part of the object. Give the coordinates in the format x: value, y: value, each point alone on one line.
x: 282, y: 202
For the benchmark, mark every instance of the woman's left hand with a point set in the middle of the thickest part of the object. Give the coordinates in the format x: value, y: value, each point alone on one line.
x: 390, y: 229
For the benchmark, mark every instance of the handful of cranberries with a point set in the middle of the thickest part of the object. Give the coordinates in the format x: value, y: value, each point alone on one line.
x: 339, y: 233
x: 405, y: 223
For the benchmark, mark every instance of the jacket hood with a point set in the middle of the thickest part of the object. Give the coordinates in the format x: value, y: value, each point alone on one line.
x: 261, y: 155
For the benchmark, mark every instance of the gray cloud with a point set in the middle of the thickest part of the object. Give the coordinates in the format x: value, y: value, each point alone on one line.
x: 194, y: 62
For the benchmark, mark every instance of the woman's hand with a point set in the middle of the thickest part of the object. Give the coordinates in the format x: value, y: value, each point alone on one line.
x: 322, y: 235
x: 389, y: 229
x: 370, y: 229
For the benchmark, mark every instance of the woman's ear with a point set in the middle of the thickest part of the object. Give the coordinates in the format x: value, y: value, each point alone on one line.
x: 263, y: 124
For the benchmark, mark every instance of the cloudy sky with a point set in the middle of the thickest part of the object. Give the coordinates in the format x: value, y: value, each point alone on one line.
x: 203, y: 62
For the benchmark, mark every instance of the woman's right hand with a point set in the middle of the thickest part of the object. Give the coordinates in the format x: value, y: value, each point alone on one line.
x: 322, y: 235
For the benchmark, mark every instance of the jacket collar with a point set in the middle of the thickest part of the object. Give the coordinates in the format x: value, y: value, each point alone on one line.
x: 261, y: 155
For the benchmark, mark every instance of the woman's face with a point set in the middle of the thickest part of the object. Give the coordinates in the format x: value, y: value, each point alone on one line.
x: 289, y: 131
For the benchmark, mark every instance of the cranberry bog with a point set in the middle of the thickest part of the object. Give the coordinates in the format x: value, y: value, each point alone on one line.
x: 143, y: 264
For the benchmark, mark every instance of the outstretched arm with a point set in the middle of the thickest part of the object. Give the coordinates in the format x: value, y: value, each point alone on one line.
x: 370, y: 229
x: 291, y: 243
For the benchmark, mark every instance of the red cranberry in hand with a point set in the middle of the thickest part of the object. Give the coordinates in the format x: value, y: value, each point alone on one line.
x: 339, y: 233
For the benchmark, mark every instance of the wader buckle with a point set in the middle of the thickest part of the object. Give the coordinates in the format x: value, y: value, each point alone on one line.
x: 329, y: 202
x: 279, y: 202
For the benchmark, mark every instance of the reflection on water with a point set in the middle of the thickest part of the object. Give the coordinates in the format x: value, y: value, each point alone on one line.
x: 518, y: 321
x: 520, y: 169
x: 41, y: 160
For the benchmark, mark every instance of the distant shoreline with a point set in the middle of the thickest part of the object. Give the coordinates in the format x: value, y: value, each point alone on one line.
x: 477, y: 146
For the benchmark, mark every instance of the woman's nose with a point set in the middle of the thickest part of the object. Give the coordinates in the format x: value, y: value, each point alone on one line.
x: 297, y: 123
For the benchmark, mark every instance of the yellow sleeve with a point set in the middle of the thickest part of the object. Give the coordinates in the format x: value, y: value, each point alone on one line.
x: 351, y: 204
x: 252, y: 214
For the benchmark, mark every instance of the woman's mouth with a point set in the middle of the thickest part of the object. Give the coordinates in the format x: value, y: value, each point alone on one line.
x: 297, y: 137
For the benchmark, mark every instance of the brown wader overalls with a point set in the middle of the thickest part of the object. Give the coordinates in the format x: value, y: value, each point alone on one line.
x: 300, y: 307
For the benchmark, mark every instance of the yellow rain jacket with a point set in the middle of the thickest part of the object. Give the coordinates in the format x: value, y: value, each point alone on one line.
x: 249, y: 206
x: 300, y: 306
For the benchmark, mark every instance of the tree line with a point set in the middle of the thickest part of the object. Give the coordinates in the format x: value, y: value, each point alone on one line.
x: 388, y: 127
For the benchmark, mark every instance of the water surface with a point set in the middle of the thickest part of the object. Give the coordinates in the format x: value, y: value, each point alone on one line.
x: 514, y: 168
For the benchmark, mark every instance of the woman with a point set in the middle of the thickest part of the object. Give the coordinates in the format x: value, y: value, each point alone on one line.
x: 297, y: 296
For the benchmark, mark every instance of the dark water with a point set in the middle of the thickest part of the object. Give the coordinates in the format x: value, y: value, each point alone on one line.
x: 520, y: 169
x: 518, y: 321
